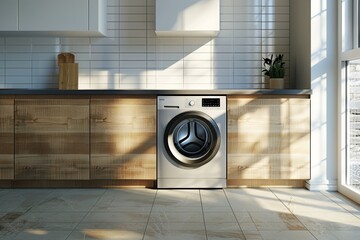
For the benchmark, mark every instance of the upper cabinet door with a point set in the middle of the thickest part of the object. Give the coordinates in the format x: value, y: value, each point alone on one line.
x: 9, y: 15
x: 73, y: 18
x: 53, y: 15
x: 187, y: 17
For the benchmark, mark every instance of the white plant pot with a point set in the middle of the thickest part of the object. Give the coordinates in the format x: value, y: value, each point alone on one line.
x: 276, y: 83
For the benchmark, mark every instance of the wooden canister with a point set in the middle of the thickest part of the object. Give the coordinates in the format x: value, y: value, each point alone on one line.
x: 68, y: 76
x: 68, y: 71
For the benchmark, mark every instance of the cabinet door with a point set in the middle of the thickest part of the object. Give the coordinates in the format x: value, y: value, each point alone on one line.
x: 53, y: 15
x: 268, y: 138
x: 187, y: 17
x: 8, y: 15
x: 123, y: 138
x: 6, y: 138
x: 52, y: 139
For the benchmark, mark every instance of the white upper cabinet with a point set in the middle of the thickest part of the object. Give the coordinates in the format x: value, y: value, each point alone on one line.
x: 187, y: 17
x: 53, y: 15
x: 58, y: 18
x: 8, y: 15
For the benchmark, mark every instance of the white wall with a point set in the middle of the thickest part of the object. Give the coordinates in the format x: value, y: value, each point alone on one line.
x: 324, y: 80
x: 300, y: 43
x: 133, y: 57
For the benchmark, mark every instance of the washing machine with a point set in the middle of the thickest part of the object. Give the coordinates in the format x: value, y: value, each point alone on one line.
x: 191, y: 151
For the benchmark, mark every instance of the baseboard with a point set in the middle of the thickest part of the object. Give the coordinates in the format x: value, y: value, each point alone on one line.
x: 77, y: 183
x: 152, y: 184
x: 288, y: 183
x: 330, y: 185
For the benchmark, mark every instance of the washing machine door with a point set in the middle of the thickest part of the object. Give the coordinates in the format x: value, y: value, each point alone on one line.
x: 192, y: 139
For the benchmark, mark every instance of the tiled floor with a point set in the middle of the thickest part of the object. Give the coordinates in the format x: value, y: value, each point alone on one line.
x: 269, y: 214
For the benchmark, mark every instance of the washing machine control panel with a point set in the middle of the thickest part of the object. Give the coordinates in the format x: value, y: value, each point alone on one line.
x: 211, y: 102
x: 192, y: 102
x: 203, y: 102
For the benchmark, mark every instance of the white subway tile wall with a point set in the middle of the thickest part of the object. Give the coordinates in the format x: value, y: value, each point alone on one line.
x: 133, y: 57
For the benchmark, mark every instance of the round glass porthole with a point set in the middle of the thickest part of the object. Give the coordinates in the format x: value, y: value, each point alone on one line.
x: 192, y: 139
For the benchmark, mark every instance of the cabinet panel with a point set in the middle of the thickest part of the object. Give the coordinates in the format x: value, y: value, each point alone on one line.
x: 187, y: 17
x: 8, y: 15
x: 53, y: 15
x: 52, y: 139
x: 268, y: 138
x: 123, y: 138
x: 73, y: 18
x: 6, y: 139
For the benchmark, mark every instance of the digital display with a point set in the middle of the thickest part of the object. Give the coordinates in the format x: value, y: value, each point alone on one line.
x: 211, y: 102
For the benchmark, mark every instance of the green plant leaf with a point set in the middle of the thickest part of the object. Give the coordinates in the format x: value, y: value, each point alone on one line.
x: 274, y: 69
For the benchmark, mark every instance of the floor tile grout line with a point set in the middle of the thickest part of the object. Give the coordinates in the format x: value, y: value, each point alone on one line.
x: 203, y: 213
x: 232, y: 210
x: 28, y: 211
x: 339, y: 204
x: 281, y: 196
x: 152, y: 206
x: 82, y: 219
x: 293, y: 213
x: 39, y: 202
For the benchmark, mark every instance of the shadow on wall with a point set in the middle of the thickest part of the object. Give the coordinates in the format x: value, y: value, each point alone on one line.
x: 150, y: 62
x: 133, y: 57
x: 230, y: 60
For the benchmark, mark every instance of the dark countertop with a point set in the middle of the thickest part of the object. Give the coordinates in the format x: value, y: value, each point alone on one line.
x: 157, y: 92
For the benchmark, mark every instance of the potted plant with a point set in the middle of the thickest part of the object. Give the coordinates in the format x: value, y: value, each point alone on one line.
x: 275, y: 71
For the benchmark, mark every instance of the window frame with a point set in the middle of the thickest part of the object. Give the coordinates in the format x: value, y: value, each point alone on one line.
x: 351, y: 52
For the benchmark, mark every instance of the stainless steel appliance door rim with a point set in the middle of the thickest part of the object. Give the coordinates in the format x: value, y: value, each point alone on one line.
x: 192, y: 139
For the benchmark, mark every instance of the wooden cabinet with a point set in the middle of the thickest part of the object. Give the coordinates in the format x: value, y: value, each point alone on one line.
x: 114, y: 138
x: 53, y: 17
x: 9, y: 15
x: 6, y: 139
x: 268, y: 138
x: 52, y: 139
x: 123, y: 138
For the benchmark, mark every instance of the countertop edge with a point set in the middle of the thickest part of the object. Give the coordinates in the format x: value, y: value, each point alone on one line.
x: 157, y: 92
